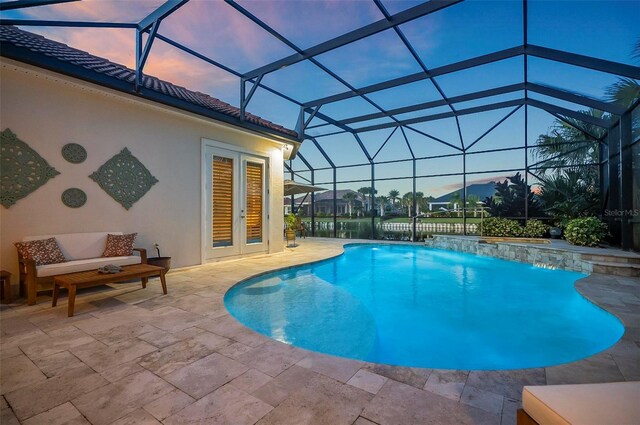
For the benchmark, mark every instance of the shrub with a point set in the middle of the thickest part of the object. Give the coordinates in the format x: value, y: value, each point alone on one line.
x: 586, y: 231
x: 498, y: 226
x: 534, y: 229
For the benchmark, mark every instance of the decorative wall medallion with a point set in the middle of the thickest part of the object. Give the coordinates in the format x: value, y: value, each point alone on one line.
x: 22, y: 170
x: 74, y: 153
x: 124, y: 178
x: 74, y: 197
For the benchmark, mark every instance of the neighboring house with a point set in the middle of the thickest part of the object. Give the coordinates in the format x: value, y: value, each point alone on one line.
x: 53, y: 94
x: 324, y: 203
x: 481, y: 190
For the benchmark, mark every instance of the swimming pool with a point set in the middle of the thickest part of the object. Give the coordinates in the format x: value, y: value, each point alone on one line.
x: 422, y: 307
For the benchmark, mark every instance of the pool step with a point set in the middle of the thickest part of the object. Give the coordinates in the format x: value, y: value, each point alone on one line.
x: 619, y: 259
x: 616, y: 269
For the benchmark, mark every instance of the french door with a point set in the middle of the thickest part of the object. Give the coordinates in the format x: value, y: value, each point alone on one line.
x: 235, y: 203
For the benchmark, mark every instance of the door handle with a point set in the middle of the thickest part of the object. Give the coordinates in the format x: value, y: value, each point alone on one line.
x: 242, y: 214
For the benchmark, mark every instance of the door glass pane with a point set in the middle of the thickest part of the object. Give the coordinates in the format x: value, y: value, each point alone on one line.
x: 254, y: 202
x: 222, y: 201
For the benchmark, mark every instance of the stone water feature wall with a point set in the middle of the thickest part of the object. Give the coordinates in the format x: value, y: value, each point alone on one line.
x: 538, y: 254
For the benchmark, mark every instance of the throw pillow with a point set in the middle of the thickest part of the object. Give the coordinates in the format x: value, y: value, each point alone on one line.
x: 119, y: 245
x: 42, y: 251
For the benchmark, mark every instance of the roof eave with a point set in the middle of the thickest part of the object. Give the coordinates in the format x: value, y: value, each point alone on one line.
x: 25, y: 55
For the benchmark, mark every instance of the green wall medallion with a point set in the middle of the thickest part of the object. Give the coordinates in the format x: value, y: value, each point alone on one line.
x: 74, y: 153
x: 124, y: 178
x: 74, y: 197
x: 22, y: 170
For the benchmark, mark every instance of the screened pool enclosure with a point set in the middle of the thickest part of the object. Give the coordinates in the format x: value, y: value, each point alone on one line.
x: 410, y: 112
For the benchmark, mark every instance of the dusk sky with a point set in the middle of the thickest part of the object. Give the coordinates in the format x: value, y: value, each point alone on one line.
x: 603, y: 29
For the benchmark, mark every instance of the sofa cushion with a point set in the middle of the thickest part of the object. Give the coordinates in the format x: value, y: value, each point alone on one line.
x: 42, y: 251
x: 584, y: 404
x: 119, y: 245
x: 84, y: 265
x: 76, y: 246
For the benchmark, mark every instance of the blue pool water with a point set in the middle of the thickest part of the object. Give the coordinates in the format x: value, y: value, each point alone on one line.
x: 423, y: 307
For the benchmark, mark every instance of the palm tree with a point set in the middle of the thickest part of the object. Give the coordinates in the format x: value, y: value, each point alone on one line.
x: 382, y: 203
x: 454, y: 201
x: 626, y: 91
x: 472, y: 201
x: 564, y: 146
x: 349, y: 197
x: 393, y: 195
x: 366, y: 193
x: 407, y: 201
x: 419, y: 200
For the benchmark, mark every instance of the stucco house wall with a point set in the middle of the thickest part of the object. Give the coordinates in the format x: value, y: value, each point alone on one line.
x: 47, y: 110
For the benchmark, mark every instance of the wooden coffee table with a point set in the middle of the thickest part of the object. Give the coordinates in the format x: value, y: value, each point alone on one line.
x: 72, y: 281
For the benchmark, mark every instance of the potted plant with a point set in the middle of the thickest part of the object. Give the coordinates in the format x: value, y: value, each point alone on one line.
x: 291, y: 223
x: 159, y: 261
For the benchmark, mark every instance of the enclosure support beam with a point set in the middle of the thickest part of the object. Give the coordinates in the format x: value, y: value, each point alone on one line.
x: 143, y: 53
x: 246, y: 98
x: 464, y: 193
x: 589, y: 62
x: 419, y: 76
x: 626, y: 182
x: 355, y: 35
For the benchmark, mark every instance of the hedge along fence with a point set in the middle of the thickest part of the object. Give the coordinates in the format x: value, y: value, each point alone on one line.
x: 503, y: 227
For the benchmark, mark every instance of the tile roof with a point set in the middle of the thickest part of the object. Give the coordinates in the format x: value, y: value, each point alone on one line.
x: 42, y: 50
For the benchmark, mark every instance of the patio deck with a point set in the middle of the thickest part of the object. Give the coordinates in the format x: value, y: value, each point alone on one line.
x: 135, y: 356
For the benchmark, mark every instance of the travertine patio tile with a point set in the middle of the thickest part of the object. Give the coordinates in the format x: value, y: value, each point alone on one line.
x: 288, y: 382
x: 506, y: 382
x: 450, y: 390
x: 446, y: 376
x: 169, y: 404
x: 509, y: 411
x: 321, y: 401
x: 203, y: 305
x: 57, y: 341
x: 65, y: 414
x: 234, y: 350
x: 17, y: 372
x: 101, y: 357
x: 57, y: 364
x: 6, y: 352
x: 482, y: 399
x: 182, y: 353
x: 109, y: 315
x: 205, y: 375
x: 629, y: 367
x: 159, y: 338
x: 137, y: 417
x: 38, y: 398
x: 272, y: 357
x: 251, y: 380
x: 338, y: 368
x: 226, y: 405
x: 367, y: 381
x: 114, y: 401
x: 173, y: 319
x: 594, y: 369
x: 363, y: 421
x: 11, y: 326
x: 229, y: 327
x: 123, y: 332
x: 117, y: 372
x: 400, y: 404
x: 415, y: 377
x: 6, y: 414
